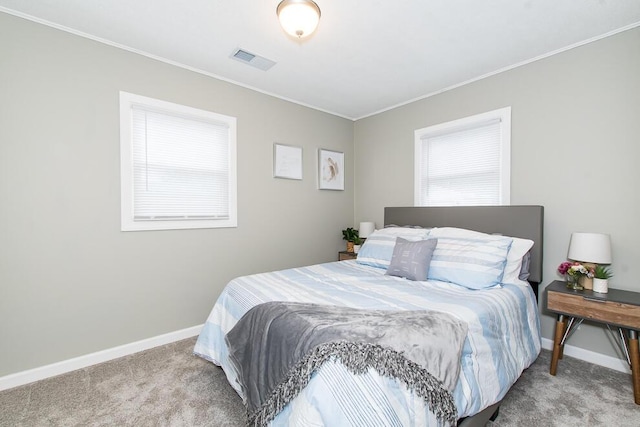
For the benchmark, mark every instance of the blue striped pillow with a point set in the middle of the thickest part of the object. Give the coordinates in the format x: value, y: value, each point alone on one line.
x: 378, y: 248
x: 472, y: 263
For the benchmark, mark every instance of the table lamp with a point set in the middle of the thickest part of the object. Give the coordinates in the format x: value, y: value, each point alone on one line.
x: 366, y: 228
x: 590, y: 249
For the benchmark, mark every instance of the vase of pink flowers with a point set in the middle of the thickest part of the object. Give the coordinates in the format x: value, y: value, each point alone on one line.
x: 573, y: 271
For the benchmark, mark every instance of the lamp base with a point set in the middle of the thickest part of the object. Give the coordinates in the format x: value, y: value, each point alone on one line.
x: 587, y: 282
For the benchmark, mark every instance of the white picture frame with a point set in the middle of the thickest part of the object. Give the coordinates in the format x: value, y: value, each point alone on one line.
x: 287, y: 161
x: 330, y: 170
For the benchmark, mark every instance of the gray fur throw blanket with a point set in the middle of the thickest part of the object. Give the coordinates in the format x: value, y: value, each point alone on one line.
x: 276, y: 347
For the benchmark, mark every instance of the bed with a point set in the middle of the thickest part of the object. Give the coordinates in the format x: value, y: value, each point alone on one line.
x: 500, y: 318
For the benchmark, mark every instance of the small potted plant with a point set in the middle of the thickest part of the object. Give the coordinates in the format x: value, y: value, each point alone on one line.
x: 350, y: 235
x: 601, y: 276
x: 357, y: 244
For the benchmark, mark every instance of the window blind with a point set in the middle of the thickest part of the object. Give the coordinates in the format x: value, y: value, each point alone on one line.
x: 180, y: 167
x: 461, y: 166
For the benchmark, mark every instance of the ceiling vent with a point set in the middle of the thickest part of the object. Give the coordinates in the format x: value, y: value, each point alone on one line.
x: 252, y: 59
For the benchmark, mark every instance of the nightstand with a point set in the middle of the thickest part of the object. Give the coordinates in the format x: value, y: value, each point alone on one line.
x: 344, y: 255
x: 618, y: 308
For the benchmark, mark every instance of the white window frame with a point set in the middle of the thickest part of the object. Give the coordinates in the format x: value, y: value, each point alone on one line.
x: 503, y: 115
x: 128, y: 223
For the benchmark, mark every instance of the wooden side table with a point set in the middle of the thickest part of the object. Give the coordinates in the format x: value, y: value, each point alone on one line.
x: 344, y: 255
x: 617, y: 308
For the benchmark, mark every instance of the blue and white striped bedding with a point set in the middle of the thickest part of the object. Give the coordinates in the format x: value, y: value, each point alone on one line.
x: 503, y: 340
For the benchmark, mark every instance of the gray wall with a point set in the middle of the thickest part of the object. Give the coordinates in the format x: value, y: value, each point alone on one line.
x: 575, y: 148
x: 71, y: 282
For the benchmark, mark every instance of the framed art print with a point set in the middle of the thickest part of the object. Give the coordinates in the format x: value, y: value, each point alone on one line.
x: 287, y: 161
x: 330, y: 170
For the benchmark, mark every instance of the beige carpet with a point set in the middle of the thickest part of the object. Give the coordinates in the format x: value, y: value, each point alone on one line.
x: 168, y: 386
x: 164, y: 386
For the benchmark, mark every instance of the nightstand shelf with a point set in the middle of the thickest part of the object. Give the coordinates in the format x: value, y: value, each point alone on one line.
x: 618, y: 308
x: 344, y: 255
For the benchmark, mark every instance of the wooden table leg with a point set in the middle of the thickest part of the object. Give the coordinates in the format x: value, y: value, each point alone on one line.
x: 634, y: 356
x: 557, y: 346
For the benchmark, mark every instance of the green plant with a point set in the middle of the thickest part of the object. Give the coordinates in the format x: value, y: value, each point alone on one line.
x: 358, y: 240
x: 602, y: 272
x: 350, y: 234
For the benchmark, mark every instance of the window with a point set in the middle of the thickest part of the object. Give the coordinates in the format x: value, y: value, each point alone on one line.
x: 178, y: 166
x: 464, y: 162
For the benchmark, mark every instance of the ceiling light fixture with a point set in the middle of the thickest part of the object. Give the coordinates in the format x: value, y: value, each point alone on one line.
x: 298, y: 17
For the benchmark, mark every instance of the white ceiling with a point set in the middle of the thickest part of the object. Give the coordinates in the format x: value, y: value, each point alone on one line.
x: 366, y: 55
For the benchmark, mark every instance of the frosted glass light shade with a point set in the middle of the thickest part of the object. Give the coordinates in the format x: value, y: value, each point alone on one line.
x: 590, y: 247
x: 298, y: 17
x: 366, y: 228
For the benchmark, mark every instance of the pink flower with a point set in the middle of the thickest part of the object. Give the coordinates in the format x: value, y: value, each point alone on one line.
x: 564, y: 267
x: 574, y: 269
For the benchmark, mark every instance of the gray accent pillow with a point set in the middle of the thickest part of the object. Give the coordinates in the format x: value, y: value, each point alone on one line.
x: 524, y: 270
x: 411, y: 259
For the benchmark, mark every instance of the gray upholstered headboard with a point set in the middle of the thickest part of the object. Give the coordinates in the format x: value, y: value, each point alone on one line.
x: 517, y: 221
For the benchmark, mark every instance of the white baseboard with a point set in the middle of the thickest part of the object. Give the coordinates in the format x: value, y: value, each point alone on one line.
x: 36, y: 374
x: 47, y: 371
x: 591, y: 357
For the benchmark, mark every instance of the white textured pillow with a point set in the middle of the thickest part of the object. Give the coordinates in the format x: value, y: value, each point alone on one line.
x: 519, y: 248
x: 378, y: 248
x: 404, y: 232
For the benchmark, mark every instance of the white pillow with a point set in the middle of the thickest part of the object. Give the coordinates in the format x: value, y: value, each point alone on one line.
x: 517, y: 251
x: 404, y: 232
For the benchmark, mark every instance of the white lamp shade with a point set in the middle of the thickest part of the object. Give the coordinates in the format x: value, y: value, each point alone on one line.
x: 366, y: 228
x: 590, y: 247
x: 298, y: 17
